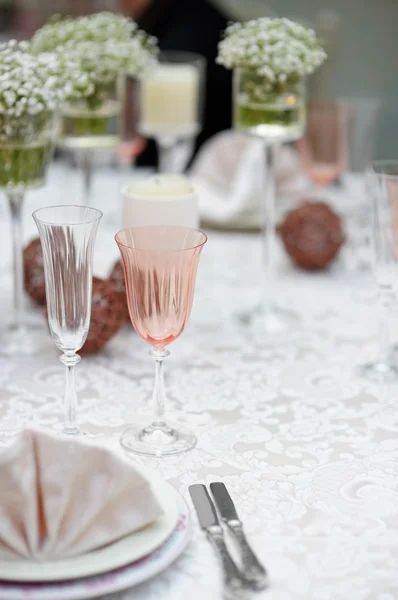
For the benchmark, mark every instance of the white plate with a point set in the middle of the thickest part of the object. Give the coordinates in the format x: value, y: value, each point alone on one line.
x: 123, y: 552
x: 114, y: 581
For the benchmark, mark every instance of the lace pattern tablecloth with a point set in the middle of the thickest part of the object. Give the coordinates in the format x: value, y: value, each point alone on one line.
x: 308, y: 450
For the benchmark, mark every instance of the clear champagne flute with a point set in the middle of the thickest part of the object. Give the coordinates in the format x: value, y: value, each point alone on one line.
x: 67, y: 235
x: 383, y: 186
x: 160, y: 265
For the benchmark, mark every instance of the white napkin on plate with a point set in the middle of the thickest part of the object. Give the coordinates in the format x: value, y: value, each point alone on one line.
x: 229, y: 174
x: 61, y: 497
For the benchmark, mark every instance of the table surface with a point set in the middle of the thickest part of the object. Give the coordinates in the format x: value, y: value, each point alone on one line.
x: 308, y: 450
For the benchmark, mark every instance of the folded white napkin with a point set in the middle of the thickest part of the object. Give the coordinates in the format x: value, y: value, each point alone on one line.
x: 60, y: 497
x: 228, y: 174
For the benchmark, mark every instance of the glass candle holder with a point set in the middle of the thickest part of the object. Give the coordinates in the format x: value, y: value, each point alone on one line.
x: 171, y: 102
x: 276, y: 114
x: 167, y: 199
x: 26, y: 145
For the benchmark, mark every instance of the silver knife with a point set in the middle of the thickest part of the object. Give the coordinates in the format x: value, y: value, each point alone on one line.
x: 208, y: 520
x: 252, y: 569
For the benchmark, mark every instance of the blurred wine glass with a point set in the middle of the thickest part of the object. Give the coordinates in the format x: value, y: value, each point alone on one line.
x: 324, y: 148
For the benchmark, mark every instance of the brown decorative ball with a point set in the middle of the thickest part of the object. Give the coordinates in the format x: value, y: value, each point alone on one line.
x: 108, y: 314
x: 34, y: 272
x: 312, y: 235
x: 116, y: 277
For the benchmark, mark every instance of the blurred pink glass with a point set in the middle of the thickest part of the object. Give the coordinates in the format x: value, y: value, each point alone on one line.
x: 324, y: 148
x: 160, y: 265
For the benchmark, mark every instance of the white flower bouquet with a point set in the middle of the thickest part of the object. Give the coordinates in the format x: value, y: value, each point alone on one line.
x: 278, y: 50
x: 103, y: 46
x: 31, y: 88
x: 270, y: 58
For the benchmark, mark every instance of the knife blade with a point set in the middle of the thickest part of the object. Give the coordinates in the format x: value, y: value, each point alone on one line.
x: 253, y: 570
x: 208, y: 520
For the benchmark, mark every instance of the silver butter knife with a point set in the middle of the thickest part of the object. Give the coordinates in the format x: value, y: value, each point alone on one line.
x: 252, y: 569
x: 208, y: 520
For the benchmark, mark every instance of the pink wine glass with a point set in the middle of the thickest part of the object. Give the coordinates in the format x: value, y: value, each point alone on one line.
x: 160, y: 265
x: 323, y: 149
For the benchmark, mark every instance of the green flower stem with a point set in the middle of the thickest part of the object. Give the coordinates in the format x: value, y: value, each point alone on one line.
x: 23, y: 165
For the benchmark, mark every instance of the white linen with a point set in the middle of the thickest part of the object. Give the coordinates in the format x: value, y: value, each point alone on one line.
x: 228, y: 174
x: 60, y: 497
x: 308, y: 450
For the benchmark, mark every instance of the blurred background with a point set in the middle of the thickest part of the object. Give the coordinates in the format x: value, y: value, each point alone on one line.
x: 360, y: 38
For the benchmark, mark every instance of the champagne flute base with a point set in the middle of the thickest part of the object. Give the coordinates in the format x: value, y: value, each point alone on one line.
x: 22, y: 339
x: 270, y: 318
x: 157, y: 440
x: 379, y: 372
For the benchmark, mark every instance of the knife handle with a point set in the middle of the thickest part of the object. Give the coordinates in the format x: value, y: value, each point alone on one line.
x: 252, y: 569
x: 232, y: 577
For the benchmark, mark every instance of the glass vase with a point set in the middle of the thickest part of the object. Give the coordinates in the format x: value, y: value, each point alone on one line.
x: 276, y: 114
x: 93, y: 123
x: 26, y: 144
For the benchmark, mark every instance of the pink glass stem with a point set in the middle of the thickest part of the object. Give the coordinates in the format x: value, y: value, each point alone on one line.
x: 15, y: 199
x: 159, y: 394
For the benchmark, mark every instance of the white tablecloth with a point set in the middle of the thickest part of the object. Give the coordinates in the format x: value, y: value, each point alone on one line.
x: 308, y: 450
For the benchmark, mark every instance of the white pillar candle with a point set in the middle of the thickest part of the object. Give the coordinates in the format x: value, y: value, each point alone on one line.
x: 160, y: 200
x: 169, y: 100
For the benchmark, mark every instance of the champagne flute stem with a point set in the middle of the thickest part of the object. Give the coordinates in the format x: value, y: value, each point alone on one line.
x: 269, y: 223
x: 386, y: 300
x: 70, y: 403
x: 87, y: 168
x: 15, y: 200
x: 165, y: 153
x: 159, y: 394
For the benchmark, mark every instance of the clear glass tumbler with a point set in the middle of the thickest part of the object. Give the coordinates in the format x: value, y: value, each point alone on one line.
x: 160, y: 265
x: 67, y: 235
x: 383, y: 186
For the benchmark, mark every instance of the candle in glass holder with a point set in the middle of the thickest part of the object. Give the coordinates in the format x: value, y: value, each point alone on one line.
x: 170, y: 101
x: 160, y: 200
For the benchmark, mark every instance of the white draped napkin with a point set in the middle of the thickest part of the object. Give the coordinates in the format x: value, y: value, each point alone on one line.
x: 61, y: 497
x: 228, y: 174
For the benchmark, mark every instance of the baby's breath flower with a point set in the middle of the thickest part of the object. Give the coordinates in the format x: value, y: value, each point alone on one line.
x: 31, y: 84
x: 102, y: 45
x: 277, y: 49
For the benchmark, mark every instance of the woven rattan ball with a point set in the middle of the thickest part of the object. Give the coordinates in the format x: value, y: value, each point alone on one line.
x: 34, y: 272
x: 312, y: 235
x: 116, y: 277
x: 108, y: 314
